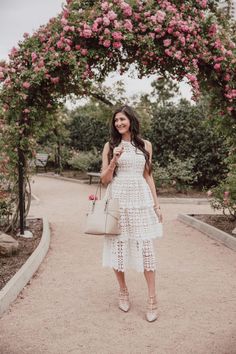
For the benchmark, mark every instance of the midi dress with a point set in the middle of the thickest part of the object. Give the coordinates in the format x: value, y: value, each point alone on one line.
x: 139, y: 224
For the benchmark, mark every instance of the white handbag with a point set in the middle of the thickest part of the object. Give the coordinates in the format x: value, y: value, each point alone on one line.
x: 103, y: 216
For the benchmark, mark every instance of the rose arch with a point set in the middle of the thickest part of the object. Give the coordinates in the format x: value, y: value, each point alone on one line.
x: 90, y: 38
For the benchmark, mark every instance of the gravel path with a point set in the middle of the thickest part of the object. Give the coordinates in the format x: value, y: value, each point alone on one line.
x: 70, y: 306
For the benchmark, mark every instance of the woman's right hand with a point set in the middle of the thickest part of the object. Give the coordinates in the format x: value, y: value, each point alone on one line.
x: 117, y: 151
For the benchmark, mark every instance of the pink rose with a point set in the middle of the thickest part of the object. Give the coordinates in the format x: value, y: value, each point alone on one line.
x: 229, y: 52
x: 67, y: 48
x: 111, y: 15
x: 107, y: 43
x: 64, y: 21
x: 217, y: 66
x: 14, y: 51
x: 84, y: 51
x: 26, y: 110
x: 168, y: 52
x: 160, y: 15
x: 182, y: 40
x: 117, y: 45
x: 106, y: 21
x: 203, y: 3
x: 41, y: 63
x: 55, y: 80
x: 34, y: 56
x: 117, y: 24
x: 92, y: 197
x: 167, y: 42
x: 226, y: 194
x: 99, y: 20
x: 60, y: 44
x: 117, y: 36
x: 26, y: 84
x: 87, y: 33
x: 127, y: 11
x: 128, y: 25
x: 95, y: 27
x: 191, y: 77
x: 66, y: 28
x: 105, y: 6
x: 37, y: 69
x: 152, y: 35
x: 77, y: 47
x: 1, y: 75
x: 178, y: 55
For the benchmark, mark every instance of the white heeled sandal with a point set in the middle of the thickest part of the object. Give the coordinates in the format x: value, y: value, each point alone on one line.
x: 124, y: 303
x: 151, y: 314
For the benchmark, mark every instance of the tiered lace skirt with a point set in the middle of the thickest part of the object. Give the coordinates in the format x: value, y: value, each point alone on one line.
x: 139, y: 224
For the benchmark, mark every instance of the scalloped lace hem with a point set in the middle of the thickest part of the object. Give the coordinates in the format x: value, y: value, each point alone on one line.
x: 123, y: 254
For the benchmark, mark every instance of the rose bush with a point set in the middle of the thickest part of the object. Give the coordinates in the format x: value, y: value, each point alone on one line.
x: 91, y: 38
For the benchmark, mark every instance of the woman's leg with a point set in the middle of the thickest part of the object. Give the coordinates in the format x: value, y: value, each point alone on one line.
x: 121, y: 278
x: 124, y: 303
x: 151, y: 314
x: 150, y: 278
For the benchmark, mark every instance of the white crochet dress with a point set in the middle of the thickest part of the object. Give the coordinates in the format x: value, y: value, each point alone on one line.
x: 138, y: 221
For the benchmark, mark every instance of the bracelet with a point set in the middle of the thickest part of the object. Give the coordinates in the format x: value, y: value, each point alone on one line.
x: 157, y: 207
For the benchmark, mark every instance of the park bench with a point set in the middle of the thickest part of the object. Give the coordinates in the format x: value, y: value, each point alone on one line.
x: 41, y: 160
x: 93, y: 174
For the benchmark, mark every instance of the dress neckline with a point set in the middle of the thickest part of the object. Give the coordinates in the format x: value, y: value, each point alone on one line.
x: 125, y: 141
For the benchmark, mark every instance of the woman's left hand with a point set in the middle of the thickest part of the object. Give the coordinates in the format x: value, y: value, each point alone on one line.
x: 159, y: 214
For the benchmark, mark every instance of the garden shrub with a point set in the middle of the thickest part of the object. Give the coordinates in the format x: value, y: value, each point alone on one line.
x: 178, y: 173
x: 183, y: 131
x: 86, y: 161
x: 224, y: 195
x: 87, y: 130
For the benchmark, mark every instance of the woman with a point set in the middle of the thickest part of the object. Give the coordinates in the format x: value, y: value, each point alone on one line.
x: 126, y: 167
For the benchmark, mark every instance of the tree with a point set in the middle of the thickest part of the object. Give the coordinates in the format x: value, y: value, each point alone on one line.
x: 164, y: 90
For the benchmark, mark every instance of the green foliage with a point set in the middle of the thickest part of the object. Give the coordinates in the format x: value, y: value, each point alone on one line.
x: 164, y: 89
x: 224, y: 195
x: 177, y: 173
x: 161, y: 175
x: 89, y: 126
x: 181, y: 172
x: 86, y: 161
x: 184, y: 131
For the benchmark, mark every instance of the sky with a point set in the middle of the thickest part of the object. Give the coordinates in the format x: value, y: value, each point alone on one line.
x: 20, y: 16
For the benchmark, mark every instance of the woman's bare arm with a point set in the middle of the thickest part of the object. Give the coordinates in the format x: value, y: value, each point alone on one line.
x: 150, y: 181
x: 107, y: 168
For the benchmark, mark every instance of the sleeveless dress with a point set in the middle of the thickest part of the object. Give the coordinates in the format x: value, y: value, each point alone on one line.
x: 139, y: 224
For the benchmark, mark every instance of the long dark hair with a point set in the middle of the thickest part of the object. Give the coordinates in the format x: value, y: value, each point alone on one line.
x: 136, y: 140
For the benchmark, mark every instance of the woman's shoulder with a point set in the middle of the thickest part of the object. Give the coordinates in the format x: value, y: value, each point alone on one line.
x: 106, y: 146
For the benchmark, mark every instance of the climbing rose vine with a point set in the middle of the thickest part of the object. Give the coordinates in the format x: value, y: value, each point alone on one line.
x: 91, y: 38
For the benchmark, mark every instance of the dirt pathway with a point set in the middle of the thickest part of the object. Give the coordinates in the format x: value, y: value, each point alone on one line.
x: 71, y: 304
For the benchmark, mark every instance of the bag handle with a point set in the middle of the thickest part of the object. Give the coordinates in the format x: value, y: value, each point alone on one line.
x: 99, y: 187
